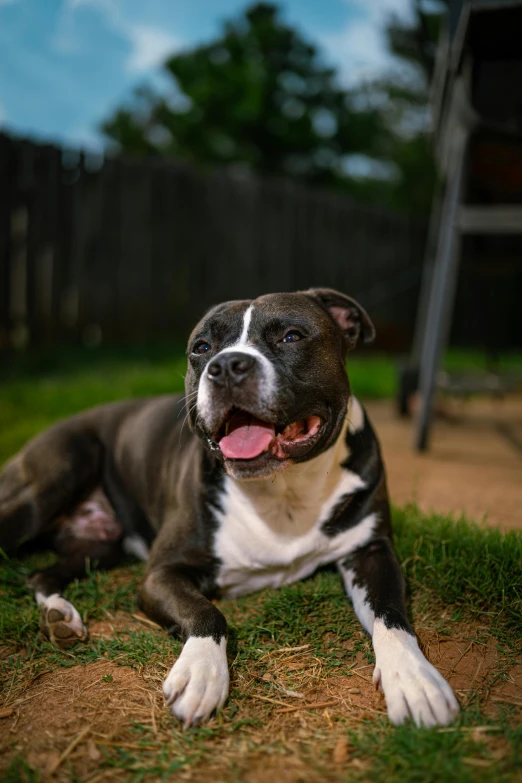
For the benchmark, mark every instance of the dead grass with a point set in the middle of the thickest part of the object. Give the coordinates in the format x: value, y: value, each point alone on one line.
x: 288, y: 718
x: 302, y: 706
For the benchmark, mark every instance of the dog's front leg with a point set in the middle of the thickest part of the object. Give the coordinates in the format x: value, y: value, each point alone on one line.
x: 197, y: 684
x: 412, y: 686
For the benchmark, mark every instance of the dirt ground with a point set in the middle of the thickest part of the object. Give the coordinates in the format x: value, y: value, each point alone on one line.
x: 473, y: 465
x: 66, y: 719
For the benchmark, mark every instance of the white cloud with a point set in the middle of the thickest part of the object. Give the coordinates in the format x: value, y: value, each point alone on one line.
x: 66, y: 39
x: 150, y: 47
x: 378, y: 8
x: 359, y: 48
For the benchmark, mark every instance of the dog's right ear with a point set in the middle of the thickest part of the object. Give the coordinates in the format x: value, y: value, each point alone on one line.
x: 350, y: 317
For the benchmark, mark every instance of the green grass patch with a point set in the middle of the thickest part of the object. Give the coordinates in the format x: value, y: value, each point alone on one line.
x: 40, y: 387
x: 471, y: 575
x: 460, y: 360
x: 476, y: 570
x: 458, y: 575
x: 410, y: 755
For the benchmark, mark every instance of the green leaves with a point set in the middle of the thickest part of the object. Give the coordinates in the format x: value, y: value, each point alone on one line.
x: 261, y: 95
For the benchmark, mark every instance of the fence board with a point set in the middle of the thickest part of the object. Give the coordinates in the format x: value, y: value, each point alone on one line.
x: 138, y: 249
x: 7, y: 175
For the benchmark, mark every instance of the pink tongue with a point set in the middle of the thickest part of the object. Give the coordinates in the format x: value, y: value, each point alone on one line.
x: 247, y: 437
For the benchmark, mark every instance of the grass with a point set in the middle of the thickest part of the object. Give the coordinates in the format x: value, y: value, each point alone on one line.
x: 40, y: 387
x: 476, y: 570
x: 462, y: 580
x: 464, y: 595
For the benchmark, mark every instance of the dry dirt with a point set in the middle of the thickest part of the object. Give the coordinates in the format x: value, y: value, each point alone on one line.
x: 473, y: 465
x: 70, y: 717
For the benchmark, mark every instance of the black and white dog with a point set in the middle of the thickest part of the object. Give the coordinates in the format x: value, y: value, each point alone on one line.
x: 279, y: 473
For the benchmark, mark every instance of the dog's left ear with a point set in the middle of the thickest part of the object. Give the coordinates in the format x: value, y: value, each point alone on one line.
x: 352, y: 319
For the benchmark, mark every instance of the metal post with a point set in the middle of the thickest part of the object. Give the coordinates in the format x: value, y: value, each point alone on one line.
x: 440, y: 299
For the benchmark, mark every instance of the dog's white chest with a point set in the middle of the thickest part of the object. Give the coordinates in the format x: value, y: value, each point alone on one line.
x: 270, y: 536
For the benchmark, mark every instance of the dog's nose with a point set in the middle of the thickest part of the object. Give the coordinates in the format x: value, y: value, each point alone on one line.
x: 230, y: 367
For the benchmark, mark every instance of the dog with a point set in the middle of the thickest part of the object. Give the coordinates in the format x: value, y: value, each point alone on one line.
x: 278, y: 473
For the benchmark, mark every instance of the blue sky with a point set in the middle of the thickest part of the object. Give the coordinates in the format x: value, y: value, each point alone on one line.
x: 65, y: 64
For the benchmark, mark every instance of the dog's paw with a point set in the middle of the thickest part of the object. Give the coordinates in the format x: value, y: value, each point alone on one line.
x: 60, y: 621
x: 197, y: 684
x: 413, y: 688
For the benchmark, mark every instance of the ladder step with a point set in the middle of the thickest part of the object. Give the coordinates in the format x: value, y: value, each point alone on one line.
x: 498, y: 219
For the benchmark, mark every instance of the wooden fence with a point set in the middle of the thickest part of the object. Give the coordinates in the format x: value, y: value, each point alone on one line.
x: 134, y: 249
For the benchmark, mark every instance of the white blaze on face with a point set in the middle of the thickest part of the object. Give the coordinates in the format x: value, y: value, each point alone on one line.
x: 243, y: 339
x: 267, y: 374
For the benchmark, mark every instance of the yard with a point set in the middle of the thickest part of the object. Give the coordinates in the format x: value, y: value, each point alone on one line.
x: 302, y: 707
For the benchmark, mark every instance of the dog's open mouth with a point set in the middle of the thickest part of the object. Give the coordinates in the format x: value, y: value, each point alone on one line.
x: 243, y: 436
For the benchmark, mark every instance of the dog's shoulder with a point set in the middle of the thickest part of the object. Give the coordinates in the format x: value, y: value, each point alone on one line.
x: 364, y: 463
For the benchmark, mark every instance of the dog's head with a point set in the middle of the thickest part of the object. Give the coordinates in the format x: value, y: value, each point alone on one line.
x: 266, y: 384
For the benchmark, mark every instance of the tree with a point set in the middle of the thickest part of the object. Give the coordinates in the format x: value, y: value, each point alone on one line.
x: 416, y: 42
x: 404, y: 100
x: 260, y: 95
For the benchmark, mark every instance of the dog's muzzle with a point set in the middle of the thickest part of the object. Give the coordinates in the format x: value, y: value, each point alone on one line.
x: 231, y: 369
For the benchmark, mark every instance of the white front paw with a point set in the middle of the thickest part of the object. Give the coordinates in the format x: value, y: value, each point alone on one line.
x: 412, y: 686
x: 197, y: 684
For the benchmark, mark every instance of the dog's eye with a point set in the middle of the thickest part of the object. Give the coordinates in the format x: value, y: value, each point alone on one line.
x: 201, y: 347
x: 292, y: 336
